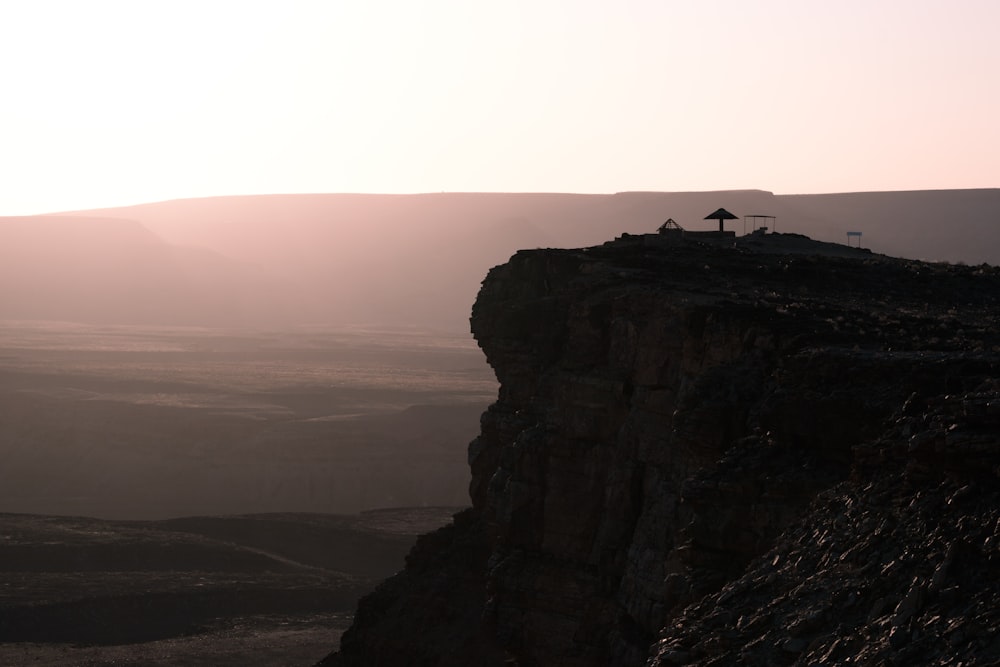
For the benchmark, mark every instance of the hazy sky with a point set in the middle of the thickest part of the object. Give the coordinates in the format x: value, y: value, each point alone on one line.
x: 116, y: 102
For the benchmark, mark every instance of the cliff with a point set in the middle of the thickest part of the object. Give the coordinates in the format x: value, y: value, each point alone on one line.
x: 774, y: 452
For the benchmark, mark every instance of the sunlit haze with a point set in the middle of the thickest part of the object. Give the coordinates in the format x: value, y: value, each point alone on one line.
x: 118, y: 102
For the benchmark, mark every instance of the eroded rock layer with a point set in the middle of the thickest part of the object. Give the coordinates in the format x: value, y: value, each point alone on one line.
x: 674, y: 424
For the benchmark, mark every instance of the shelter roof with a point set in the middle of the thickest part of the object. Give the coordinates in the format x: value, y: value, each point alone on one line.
x: 721, y: 214
x: 670, y: 224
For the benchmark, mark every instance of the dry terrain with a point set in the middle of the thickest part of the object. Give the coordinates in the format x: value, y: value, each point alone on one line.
x: 237, y: 590
x: 239, y: 480
x: 140, y: 422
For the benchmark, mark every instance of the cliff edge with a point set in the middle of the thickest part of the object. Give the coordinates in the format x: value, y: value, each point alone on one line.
x: 773, y: 451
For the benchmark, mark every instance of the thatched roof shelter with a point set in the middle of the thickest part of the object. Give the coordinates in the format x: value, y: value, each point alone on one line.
x: 720, y: 215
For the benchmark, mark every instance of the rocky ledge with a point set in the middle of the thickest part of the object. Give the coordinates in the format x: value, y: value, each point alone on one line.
x: 772, y: 451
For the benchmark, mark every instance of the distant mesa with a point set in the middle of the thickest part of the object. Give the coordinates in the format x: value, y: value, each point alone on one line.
x: 278, y: 261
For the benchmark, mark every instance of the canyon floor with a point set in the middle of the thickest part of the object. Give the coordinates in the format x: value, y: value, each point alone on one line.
x: 193, y: 496
x: 228, y: 590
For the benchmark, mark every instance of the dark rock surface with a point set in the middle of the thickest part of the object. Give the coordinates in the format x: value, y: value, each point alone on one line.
x: 438, y: 598
x: 769, y: 452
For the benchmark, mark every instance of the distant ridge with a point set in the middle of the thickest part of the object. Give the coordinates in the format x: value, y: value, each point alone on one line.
x: 416, y: 259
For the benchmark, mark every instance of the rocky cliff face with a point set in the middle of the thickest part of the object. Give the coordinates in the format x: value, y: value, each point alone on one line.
x: 705, y: 453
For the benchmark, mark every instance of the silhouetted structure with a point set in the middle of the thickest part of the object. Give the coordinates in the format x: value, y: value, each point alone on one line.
x: 854, y: 235
x: 720, y: 215
x: 670, y: 228
x: 769, y: 220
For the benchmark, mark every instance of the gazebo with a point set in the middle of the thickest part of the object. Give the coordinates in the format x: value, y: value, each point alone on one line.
x: 720, y: 215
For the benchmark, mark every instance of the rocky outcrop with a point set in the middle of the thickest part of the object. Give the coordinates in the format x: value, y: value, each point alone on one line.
x: 674, y: 424
x: 429, y: 615
x: 898, y: 565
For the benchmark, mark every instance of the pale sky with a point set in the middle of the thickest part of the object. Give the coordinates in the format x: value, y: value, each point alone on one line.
x: 108, y: 103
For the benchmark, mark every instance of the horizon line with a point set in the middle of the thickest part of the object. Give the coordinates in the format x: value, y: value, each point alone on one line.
x: 551, y: 193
